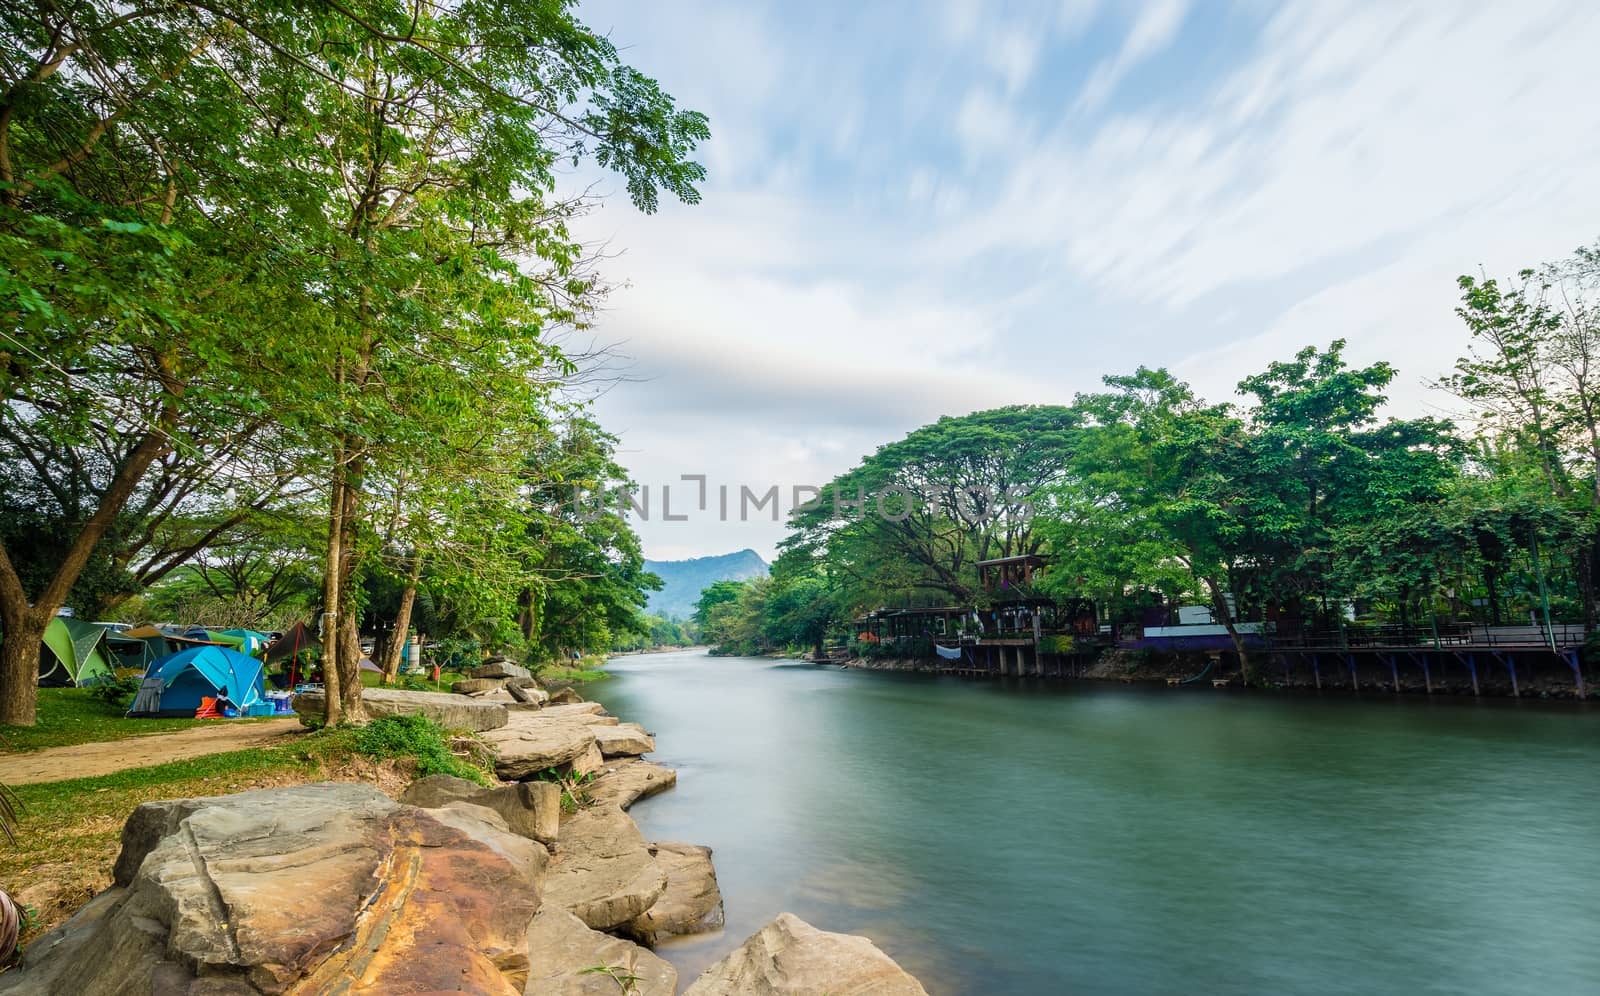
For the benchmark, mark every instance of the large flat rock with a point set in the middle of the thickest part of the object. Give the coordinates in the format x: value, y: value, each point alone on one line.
x: 453, y: 712
x: 691, y: 904
x: 789, y: 957
x: 573, y: 710
x: 623, y: 740
x: 500, y: 669
x: 304, y: 889
x: 532, y: 742
x: 626, y: 781
x: 564, y: 953
x: 603, y: 873
x: 530, y: 809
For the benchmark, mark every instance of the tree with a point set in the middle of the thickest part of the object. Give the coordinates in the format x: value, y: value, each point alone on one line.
x: 920, y: 513
x: 718, y: 593
x: 587, y: 581
x: 341, y: 215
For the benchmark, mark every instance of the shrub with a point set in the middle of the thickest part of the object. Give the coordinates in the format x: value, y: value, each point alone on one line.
x: 415, y: 737
x: 116, y: 692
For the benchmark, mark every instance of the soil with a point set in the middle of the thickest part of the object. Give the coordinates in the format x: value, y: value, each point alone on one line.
x: 108, y: 756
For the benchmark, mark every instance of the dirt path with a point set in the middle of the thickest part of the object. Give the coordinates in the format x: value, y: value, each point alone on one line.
x: 107, y: 756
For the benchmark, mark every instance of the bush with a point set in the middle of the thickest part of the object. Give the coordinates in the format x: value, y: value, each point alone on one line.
x: 117, y: 692
x: 415, y: 737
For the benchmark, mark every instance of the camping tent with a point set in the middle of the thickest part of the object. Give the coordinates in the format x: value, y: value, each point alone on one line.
x: 133, y: 652
x: 175, y: 685
x: 74, y: 653
x: 297, y: 638
x: 163, y: 642
x: 248, y: 641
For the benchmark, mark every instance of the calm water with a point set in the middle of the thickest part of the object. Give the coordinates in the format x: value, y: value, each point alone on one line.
x: 1086, y: 838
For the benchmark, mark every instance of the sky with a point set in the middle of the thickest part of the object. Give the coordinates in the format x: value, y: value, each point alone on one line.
x: 926, y: 209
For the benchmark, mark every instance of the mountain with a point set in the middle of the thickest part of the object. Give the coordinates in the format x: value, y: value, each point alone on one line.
x: 683, y: 580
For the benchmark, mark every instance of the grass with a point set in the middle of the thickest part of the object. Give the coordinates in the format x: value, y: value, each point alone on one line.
x: 69, y: 832
x: 78, y: 716
x: 587, y: 669
x: 372, y: 679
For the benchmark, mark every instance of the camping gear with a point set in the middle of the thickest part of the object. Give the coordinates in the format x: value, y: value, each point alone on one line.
x: 77, y: 654
x: 191, y: 675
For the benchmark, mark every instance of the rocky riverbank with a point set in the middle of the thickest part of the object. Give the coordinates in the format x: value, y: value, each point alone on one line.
x: 539, y: 885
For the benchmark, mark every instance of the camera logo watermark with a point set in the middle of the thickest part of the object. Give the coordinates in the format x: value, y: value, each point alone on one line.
x: 695, y: 498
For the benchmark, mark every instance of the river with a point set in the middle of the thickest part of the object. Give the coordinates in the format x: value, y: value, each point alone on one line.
x: 1078, y: 837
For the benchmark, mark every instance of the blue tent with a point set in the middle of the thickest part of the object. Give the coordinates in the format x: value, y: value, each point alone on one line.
x: 175, y: 684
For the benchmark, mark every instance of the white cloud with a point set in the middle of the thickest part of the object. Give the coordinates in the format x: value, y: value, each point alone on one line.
x: 1153, y: 29
x: 974, y: 246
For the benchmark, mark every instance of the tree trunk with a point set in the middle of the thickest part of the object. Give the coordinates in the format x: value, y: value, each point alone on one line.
x: 1490, y: 579
x: 1219, y: 603
x: 331, y: 599
x: 350, y: 667
x: 19, y: 671
x: 349, y: 659
x: 396, y: 648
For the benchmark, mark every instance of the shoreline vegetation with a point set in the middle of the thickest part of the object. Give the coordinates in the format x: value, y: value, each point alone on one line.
x: 1297, y: 536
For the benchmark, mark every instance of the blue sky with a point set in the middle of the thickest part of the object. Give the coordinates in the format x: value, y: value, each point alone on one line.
x: 933, y: 208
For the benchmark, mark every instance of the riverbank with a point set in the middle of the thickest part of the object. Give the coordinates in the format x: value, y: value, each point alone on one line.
x: 540, y: 883
x: 1425, y: 672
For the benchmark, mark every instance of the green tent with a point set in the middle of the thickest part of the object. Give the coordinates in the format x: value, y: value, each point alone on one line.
x: 135, y: 652
x: 228, y: 638
x: 74, y: 653
x: 250, y: 642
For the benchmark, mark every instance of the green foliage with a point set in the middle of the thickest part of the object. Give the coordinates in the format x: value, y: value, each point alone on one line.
x: 116, y: 693
x: 626, y: 981
x: 249, y: 249
x: 574, y: 787
x: 416, y: 737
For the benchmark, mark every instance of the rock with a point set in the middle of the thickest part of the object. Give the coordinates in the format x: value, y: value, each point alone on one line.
x: 789, y: 957
x: 529, y: 809
x: 532, y: 743
x: 626, y: 739
x: 453, y: 712
x: 499, y: 669
x: 573, y: 710
x: 529, y: 693
x: 476, y: 686
x: 590, y: 762
x: 301, y: 888
x: 564, y: 695
x: 602, y: 872
x: 625, y: 782
x: 563, y: 951
x: 691, y: 904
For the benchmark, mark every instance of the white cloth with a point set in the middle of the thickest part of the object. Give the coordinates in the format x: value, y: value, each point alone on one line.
x: 948, y: 653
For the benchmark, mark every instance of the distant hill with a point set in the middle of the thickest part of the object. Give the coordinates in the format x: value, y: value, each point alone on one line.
x: 683, y: 580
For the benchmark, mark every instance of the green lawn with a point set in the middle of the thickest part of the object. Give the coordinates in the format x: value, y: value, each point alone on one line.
x: 76, y: 716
